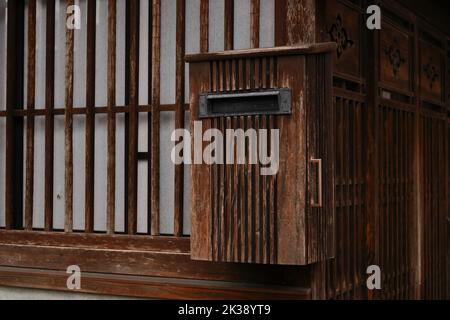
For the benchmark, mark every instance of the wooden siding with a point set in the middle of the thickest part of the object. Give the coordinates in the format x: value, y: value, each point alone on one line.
x: 389, y: 188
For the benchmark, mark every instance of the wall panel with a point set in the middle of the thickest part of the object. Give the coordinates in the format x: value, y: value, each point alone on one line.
x: 216, y: 25
x: 346, y: 273
x: 396, y: 145
x: 167, y: 175
x: 3, y: 39
x: 433, y: 124
x: 79, y: 165
x: 41, y: 50
x: 2, y: 170
x: 267, y: 25
x: 343, y: 21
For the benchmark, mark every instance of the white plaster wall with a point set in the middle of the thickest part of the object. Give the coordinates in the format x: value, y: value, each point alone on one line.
x: 241, y: 27
x: 31, y: 294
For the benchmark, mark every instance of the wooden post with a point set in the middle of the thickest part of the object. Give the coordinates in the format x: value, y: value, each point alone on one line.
x: 295, y: 22
x: 179, y: 112
x: 31, y: 84
x: 111, y: 184
x: 14, y: 126
x: 68, y: 131
x: 133, y: 114
x: 155, y: 123
x: 90, y: 117
x: 49, y: 112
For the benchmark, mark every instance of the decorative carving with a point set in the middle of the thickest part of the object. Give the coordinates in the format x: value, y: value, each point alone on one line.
x: 431, y: 72
x: 339, y: 35
x: 395, y: 57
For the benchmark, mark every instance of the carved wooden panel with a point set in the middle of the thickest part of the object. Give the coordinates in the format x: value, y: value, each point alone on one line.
x: 342, y: 25
x: 395, y: 57
x: 431, y: 72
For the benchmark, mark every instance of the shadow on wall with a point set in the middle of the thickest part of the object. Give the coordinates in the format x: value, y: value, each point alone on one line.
x: 30, y: 294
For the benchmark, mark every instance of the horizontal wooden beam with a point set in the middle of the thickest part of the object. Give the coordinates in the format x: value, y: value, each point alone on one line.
x: 144, y: 263
x: 264, y: 52
x: 95, y: 241
x: 147, y: 287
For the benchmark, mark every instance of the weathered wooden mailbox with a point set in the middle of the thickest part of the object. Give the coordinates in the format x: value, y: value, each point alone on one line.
x: 239, y: 214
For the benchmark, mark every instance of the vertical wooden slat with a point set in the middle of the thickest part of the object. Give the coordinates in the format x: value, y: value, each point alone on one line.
x: 31, y: 85
x: 229, y: 209
x: 255, y: 22
x: 133, y: 115
x: 90, y: 116
x: 373, y: 166
x: 14, y: 126
x: 216, y: 213
x: 204, y: 26
x: 263, y: 206
x: 353, y: 198
x: 179, y: 112
x: 360, y: 198
x: 243, y: 193
x: 280, y: 22
x: 347, y: 201
x: 111, y: 166
x: 401, y: 221
x: 250, y: 203
x: 341, y: 128
x: 223, y: 194
x: 156, y: 62
x: 49, y: 117
x: 256, y: 217
x: 149, y: 116
x: 272, y: 206
x: 417, y: 226
x: 69, y: 128
x: 234, y: 212
x: 201, y: 198
x: 396, y: 213
x: 229, y: 24
x: 389, y: 210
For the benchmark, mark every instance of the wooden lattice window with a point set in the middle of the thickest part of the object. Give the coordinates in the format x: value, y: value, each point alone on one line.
x: 85, y: 123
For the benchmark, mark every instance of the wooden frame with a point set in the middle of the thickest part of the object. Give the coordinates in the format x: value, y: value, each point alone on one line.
x: 108, y: 254
x: 165, y: 270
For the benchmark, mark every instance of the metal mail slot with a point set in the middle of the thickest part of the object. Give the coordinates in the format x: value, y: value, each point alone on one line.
x: 270, y: 102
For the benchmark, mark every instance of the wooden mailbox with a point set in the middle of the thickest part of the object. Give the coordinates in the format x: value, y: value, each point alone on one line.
x: 240, y: 215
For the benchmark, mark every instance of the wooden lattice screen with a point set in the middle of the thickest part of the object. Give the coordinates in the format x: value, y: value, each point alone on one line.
x: 381, y: 156
x: 433, y: 123
x: 396, y: 147
x: 128, y: 241
x: 345, y: 278
x: 391, y: 157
